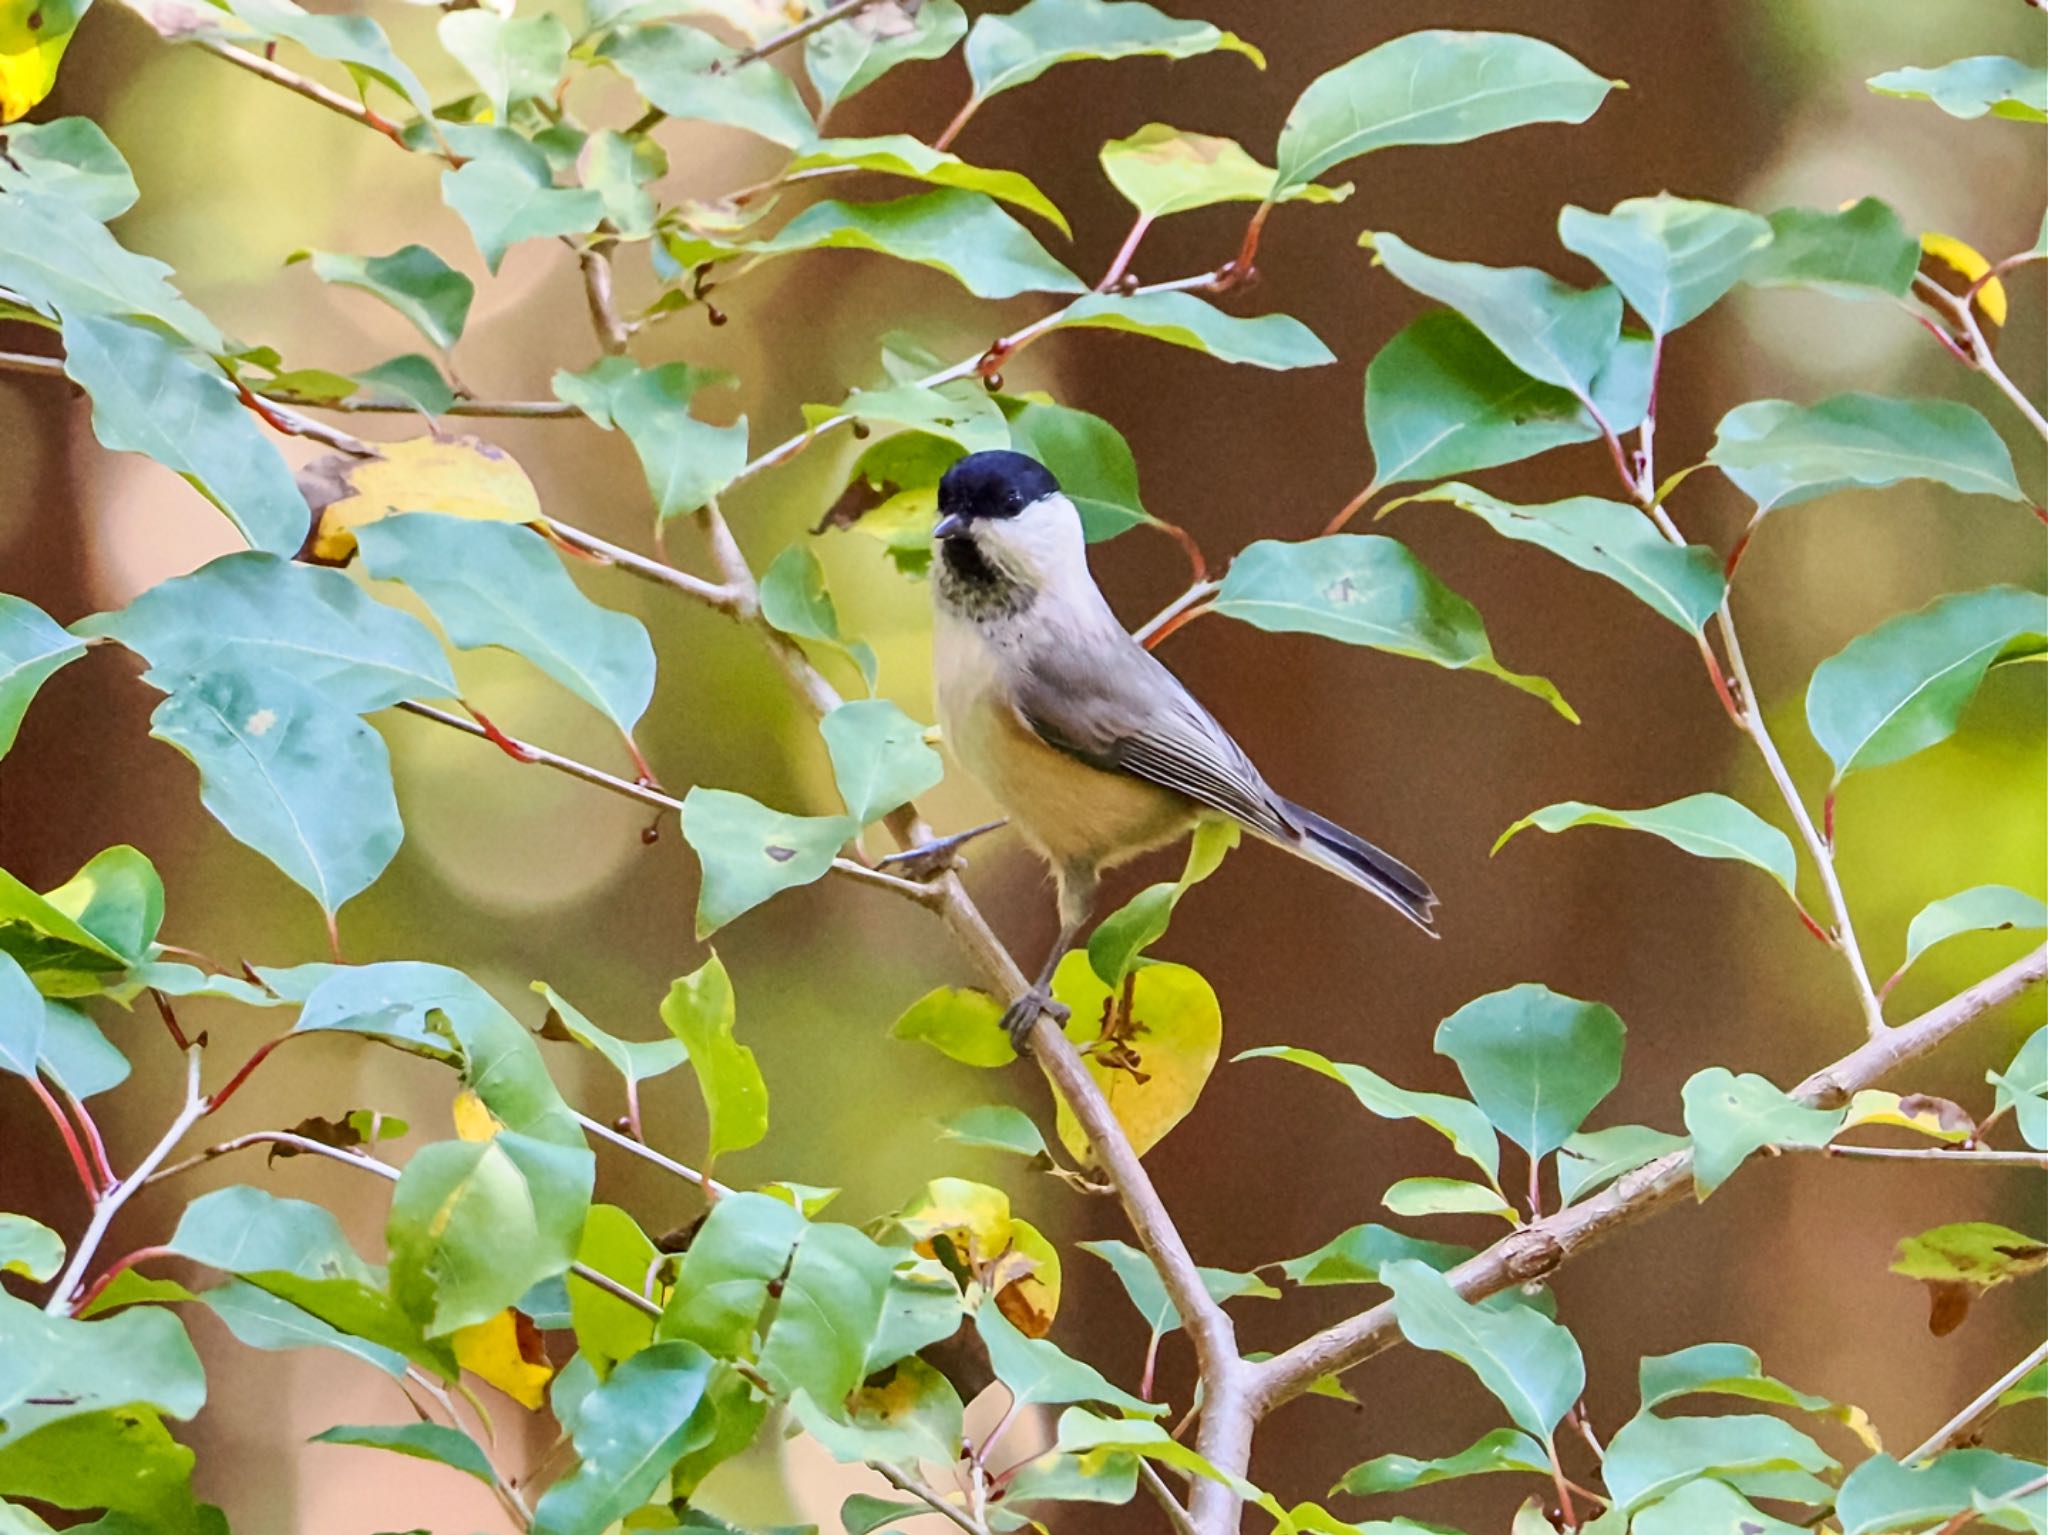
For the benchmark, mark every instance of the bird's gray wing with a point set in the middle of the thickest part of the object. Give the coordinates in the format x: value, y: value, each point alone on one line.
x: 1111, y: 704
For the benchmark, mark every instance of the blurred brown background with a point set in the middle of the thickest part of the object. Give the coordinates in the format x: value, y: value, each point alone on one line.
x: 516, y: 874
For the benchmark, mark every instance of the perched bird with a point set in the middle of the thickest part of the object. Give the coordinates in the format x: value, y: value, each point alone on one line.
x: 1089, y: 743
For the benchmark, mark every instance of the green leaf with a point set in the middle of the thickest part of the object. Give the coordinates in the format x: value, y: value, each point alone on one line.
x: 1504, y: 1449
x: 699, y: 1010
x: 1527, y: 1361
x: 863, y: 1513
x: 1366, y: 590
x: 879, y: 757
x: 355, y: 42
x: 748, y: 852
x: 1729, y: 1369
x: 124, y: 1462
x: 619, y: 169
x: 1123, y: 935
x: 59, y: 259
x: 795, y: 601
x: 1147, y: 1291
x: 1981, y: 909
x: 1088, y: 456
x: 909, y: 1413
x: 1651, y: 1457
x: 1035, y: 1370
x: 1672, y: 258
x: 474, y: 1225
x: 1978, y: 1253
x: 742, y: 1248
x: 1537, y: 1063
x: 1082, y: 1432
x: 512, y: 59
x: 505, y: 199
x: 117, y: 897
x: 1594, y: 1158
x: 960, y: 1024
x: 1559, y: 334
x: 60, y: 955
x: 1436, y: 87
x: 1181, y: 319
x: 1730, y: 1117
x: 1704, y: 825
x: 28, y: 1247
x: 1358, y: 1255
x: 963, y: 234
x: 1855, y: 252
x: 607, y: 1329
x: 853, y: 54
x: 1781, y: 454
x: 410, y: 380
x: 493, y: 583
x: 412, y: 280
x: 960, y: 411
x: 637, y: 1060
x: 1107, y: 1476
x: 32, y: 650
x: 290, y: 773
x: 1880, y: 1494
x: 261, y: 1320
x: 628, y: 1431
x: 1162, y: 170
x: 1446, y: 1196
x: 686, y: 460
x: 1006, y: 51
x: 1441, y: 399
x: 1971, y: 87
x: 77, y: 1056
x: 1903, y: 686
x: 131, y: 1288
x: 1708, y: 1507
x: 1679, y: 582
x: 688, y: 73
x: 995, y: 1127
x: 262, y: 610
x: 60, y: 1368
x: 898, y: 154
x: 830, y: 1309
x: 71, y: 159
x: 148, y: 397
x: 421, y: 1441
x: 1463, y: 1124
x: 2022, y: 1088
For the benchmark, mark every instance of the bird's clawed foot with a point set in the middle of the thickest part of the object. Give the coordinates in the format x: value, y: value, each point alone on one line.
x: 1026, y: 1011
x: 936, y: 857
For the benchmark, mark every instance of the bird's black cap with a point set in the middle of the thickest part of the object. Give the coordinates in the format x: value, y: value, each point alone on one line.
x: 994, y: 483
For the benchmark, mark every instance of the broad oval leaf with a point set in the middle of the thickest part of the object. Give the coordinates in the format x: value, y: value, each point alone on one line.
x: 1592, y: 1159
x: 898, y: 154
x: 28, y: 1247
x: 688, y: 73
x: 1152, y: 1059
x: 686, y: 459
x: 1903, y: 686
x: 32, y: 650
x: 439, y: 472
x: 908, y: 1413
x: 829, y: 1309
x: 1680, y: 582
x: 1780, y: 454
x: 1651, y: 1457
x: 261, y: 1320
x: 1163, y: 170
x: 628, y: 1430
x: 72, y: 159
x: 963, y: 234
x: 700, y: 1011
x: 1357, y: 1256
x: 491, y: 583
x: 1858, y: 252
x: 1880, y: 1494
x: 412, y: 279
x: 1182, y: 319
x: 1526, y: 1360
x: 422, y: 1441
x: 1438, y: 87
x: 60, y: 260
x: 1980, y: 909
x: 1446, y: 1196
x: 1366, y: 590
x: 1504, y: 1449
x: 290, y: 773
x: 1036, y: 1371
x: 1537, y: 1063
x: 1672, y: 258
x: 513, y: 59
x: 1971, y: 87
x: 1006, y: 51
x: 1708, y: 1507
x: 1704, y: 825
x: 854, y: 53
x: 879, y: 757
x: 62, y: 1368
x: 1147, y: 1291
x: 1123, y: 935
x: 748, y: 852
x: 795, y: 601
x: 1729, y: 1117
x: 511, y: 198
x: 962, y: 1025
x: 1463, y: 1124
x: 962, y: 412
x: 2022, y: 1088
x: 263, y: 610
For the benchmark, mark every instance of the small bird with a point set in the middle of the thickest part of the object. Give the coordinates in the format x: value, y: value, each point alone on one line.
x: 1094, y: 749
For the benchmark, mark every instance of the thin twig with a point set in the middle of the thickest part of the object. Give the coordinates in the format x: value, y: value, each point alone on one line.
x: 917, y: 1487
x: 1154, y: 1483
x: 312, y: 90
x: 93, y: 1188
x: 1980, y: 1407
x: 274, y: 1138
x: 1973, y: 348
x: 647, y: 1153
x: 1536, y: 1250
x: 1954, y: 1157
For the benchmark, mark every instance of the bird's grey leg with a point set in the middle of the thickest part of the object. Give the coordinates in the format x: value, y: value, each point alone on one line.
x: 936, y: 856
x: 1077, y: 902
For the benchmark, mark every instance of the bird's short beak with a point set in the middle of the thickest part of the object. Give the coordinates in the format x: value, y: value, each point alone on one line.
x: 949, y: 526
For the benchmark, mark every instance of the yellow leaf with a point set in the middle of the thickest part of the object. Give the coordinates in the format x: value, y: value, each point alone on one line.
x: 972, y: 1216
x: 507, y: 1352
x: 1026, y: 1280
x: 474, y: 1122
x: 1970, y: 264
x: 33, y: 37
x: 1152, y: 1057
x: 1936, y: 1117
x: 458, y: 476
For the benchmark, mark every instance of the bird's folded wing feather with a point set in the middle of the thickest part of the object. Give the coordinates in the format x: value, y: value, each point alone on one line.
x: 1124, y: 712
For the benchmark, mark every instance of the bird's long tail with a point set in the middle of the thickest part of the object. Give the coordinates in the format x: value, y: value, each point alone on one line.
x: 1326, y: 844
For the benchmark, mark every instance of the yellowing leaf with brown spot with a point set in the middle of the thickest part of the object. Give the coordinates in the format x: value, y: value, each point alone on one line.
x: 457, y: 476
x: 1935, y: 1117
x: 972, y: 1216
x: 474, y: 1122
x: 1152, y: 1061
x: 1967, y: 262
x: 1026, y: 1280
x: 507, y: 1352
x: 1162, y: 170
x: 33, y: 37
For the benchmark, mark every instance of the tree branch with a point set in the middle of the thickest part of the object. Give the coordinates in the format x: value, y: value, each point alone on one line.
x: 312, y: 90
x: 1536, y: 1250
x: 906, y: 1481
